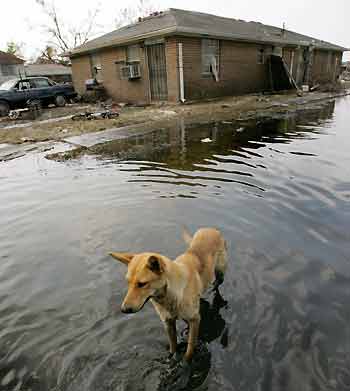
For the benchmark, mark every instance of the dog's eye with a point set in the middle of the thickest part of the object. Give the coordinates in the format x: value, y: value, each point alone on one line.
x: 141, y: 284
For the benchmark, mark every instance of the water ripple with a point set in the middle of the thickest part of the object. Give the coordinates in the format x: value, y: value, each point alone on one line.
x: 279, y: 190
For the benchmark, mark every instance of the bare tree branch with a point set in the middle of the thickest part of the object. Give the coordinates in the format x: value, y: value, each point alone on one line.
x: 91, y: 25
x: 58, y: 28
x: 131, y: 14
x: 63, y: 36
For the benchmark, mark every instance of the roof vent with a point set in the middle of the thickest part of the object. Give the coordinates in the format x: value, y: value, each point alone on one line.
x: 283, y: 30
x: 151, y: 15
x: 156, y: 13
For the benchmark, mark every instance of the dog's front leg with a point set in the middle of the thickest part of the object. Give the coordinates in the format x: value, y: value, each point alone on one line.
x: 192, y: 338
x: 170, y: 326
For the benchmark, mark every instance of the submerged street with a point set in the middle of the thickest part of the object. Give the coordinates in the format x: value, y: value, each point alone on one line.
x: 279, y: 190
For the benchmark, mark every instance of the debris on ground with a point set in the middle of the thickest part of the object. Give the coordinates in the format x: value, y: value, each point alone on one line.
x: 279, y: 104
x: 169, y: 112
x: 207, y: 140
x: 22, y: 117
x: 262, y: 99
x: 17, y: 114
x: 315, y: 87
x: 27, y: 140
x: 88, y: 116
x: 34, y: 108
x: 56, y: 123
x: 346, y: 76
x: 337, y: 87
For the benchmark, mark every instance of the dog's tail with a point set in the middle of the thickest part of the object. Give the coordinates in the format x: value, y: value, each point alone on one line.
x: 186, y: 236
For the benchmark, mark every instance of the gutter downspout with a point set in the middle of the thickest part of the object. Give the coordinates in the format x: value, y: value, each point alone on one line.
x: 335, y: 70
x: 292, y: 63
x: 181, y: 73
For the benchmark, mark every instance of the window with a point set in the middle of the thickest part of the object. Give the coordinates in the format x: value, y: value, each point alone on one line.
x: 124, y: 72
x: 8, y: 70
x: 8, y: 85
x: 127, y: 67
x: 23, y: 85
x: 41, y: 83
x: 133, y: 53
x: 211, y: 58
x: 261, y: 56
x: 96, y: 68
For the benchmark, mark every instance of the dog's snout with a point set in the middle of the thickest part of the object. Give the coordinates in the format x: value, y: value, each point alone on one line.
x: 127, y: 310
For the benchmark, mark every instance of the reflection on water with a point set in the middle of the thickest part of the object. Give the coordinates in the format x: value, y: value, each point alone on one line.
x: 177, y: 156
x: 279, y: 190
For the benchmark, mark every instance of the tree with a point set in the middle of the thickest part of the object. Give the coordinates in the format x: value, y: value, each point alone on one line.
x: 64, y: 37
x: 50, y: 56
x: 14, y: 48
x: 131, y: 14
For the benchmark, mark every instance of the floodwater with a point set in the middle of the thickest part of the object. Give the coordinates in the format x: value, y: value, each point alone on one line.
x: 278, y: 189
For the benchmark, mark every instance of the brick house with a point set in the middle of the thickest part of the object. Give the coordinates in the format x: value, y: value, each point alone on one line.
x: 180, y: 55
x: 10, y: 66
x: 56, y: 72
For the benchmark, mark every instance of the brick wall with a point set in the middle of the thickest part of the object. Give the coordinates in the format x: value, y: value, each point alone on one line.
x: 239, y: 70
x: 124, y: 90
x: 121, y: 90
x: 299, y: 66
x: 171, y: 52
x: 326, y: 66
x: 81, y: 71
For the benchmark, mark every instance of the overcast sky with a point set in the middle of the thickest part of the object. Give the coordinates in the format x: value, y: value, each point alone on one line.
x: 22, y: 20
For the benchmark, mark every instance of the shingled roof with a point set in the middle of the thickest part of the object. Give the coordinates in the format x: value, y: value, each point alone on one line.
x: 188, y: 23
x: 47, y: 70
x: 9, y: 59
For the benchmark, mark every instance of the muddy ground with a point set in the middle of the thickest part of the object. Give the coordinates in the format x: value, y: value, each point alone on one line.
x: 55, y: 124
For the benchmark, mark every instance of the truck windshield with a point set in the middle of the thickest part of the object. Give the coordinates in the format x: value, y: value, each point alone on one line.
x: 7, y: 85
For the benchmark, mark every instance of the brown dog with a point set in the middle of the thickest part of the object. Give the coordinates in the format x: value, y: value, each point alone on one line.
x: 175, y: 288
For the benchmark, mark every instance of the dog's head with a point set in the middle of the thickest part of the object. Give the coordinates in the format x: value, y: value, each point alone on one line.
x: 145, y: 279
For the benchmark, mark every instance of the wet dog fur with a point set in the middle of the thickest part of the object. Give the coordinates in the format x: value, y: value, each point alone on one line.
x: 175, y: 287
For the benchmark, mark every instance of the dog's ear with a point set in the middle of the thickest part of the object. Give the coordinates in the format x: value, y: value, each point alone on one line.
x: 156, y: 264
x: 123, y: 257
x: 187, y: 236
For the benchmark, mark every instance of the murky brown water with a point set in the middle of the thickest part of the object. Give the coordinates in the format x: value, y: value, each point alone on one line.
x: 280, y: 192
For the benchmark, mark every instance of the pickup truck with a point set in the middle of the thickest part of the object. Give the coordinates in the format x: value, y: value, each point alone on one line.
x: 18, y: 93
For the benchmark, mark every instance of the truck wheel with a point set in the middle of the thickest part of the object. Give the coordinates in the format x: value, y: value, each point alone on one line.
x: 60, y: 101
x: 4, y: 109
